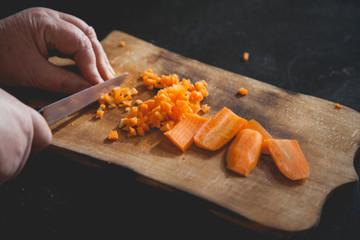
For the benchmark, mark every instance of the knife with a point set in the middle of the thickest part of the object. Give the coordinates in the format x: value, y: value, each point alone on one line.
x: 71, y: 104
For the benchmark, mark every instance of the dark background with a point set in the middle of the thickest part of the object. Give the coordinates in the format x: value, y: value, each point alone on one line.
x: 311, y: 47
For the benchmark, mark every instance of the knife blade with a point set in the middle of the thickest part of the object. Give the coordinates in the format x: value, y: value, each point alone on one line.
x: 71, y: 104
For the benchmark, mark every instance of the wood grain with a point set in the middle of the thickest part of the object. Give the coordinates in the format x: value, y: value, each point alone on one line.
x: 328, y: 136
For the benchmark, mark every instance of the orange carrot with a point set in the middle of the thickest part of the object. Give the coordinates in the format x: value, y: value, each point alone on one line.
x: 205, y: 108
x: 170, y: 105
x: 243, y: 91
x: 337, y: 105
x: 99, y: 113
x: 252, y: 124
x: 246, y: 56
x: 289, y: 158
x: 219, y: 129
x: 113, y: 135
x: 182, y: 135
x: 244, y: 152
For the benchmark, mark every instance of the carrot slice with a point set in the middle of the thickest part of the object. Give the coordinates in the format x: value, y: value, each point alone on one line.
x: 244, y: 152
x: 182, y: 135
x: 113, y: 135
x: 253, y: 124
x: 219, y: 129
x: 289, y: 158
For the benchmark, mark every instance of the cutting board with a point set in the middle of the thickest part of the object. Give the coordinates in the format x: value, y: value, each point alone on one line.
x: 328, y: 136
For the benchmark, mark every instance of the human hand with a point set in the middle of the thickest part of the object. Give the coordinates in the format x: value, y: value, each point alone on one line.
x: 25, y: 38
x: 23, y: 130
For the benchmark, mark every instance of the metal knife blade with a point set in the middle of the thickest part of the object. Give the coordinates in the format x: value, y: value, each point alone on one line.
x: 64, y: 107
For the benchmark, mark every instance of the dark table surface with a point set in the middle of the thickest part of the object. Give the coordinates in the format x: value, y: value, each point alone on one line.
x: 311, y: 47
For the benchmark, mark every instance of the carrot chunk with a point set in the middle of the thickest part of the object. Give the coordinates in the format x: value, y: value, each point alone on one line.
x: 244, y: 152
x: 289, y: 158
x: 243, y: 91
x: 246, y: 56
x: 337, y: 105
x: 113, y: 135
x: 252, y: 124
x: 99, y: 113
x: 182, y: 135
x: 219, y: 129
x: 205, y: 108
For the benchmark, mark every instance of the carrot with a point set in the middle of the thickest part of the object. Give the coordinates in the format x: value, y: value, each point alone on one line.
x: 170, y: 105
x: 246, y: 56
x: 337, y: 105
x: 118, y: 96
x: 289, y: 158
x: 219, y: 129
x: 205, y: 108
x: 99, y: 113
x: 244, y: 152
x: 243, y: 91
x: 122, y: 44
x: 252, y: 124
x: 182, y: 135
x: 113, y: 135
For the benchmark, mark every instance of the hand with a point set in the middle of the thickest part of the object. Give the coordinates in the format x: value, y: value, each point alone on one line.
x: 24, y: 42
x: 23, y: 130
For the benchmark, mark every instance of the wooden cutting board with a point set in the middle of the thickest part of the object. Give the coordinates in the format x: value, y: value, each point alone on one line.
x: 328, y: 136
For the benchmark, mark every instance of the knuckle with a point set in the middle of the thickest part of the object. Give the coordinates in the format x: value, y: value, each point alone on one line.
x: 90, y: 32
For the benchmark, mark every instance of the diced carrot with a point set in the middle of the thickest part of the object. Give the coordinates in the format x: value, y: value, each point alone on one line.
x: 205, y: 108
x: 219, y: 129
x: 253, y: 124
x: 289, y: 158
x: 99, y: 113
x: 337, y: 105
x: 243, y: 91
x: 182, y: 135
x: 244, y: 152
x: 246, y: 56
x: 122, y: 44
x: 113, y: 135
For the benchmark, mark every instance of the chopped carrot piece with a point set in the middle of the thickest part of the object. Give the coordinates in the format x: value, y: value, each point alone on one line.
x: 252, y: 124
x: 244, y: 152
x: 289, y: 158
x: 219, y: 129
x: 243, y: 91
x: 122, y: 44
x: 338, y: 106
x: 246, y: 56
x: 182, y: 135
x: 138, y: 102
x: 170, y: 105
x: 113, y: 135
x: 99, y: 113
x: 205, y: 108
x: 102, y: 106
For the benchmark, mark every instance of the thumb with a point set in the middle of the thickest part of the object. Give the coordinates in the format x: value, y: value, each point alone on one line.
x: 42, y: 134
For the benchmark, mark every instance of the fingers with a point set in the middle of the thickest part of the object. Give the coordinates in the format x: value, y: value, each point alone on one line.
x: 71, y: 35
x: 103, y: 64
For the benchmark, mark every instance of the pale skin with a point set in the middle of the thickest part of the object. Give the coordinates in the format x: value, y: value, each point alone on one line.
x: 25, y: 39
